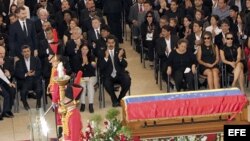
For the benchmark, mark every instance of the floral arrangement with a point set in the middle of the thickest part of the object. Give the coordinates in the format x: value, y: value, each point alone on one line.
x: 113, y: 128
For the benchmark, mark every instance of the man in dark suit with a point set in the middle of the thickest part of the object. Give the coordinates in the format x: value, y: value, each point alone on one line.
x: 220, y: 39
x: 7, y: 89
x: 28, y: 75
x: 22, y: 32
x: 194, y: 39
x: 45, y: 50
x: 73, y: 45
x: 133, y: 18
x: 101, y: 44
x: 90, y: 8
x: 44, y: 4
x: 43, y: 16
x: 113, y: 9
x: 164, y: 45
x: 94, y: 33
x: 42, y: 34
x: 240, y: 3
x: 112, y: 68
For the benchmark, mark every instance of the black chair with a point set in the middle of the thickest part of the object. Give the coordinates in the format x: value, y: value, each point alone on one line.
x: 195, y: 82
x: 16, y: 103
x: 158, y: 72
x: 102, y: 92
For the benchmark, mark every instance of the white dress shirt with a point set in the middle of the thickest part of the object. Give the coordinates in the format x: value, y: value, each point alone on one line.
x: 27, y: 63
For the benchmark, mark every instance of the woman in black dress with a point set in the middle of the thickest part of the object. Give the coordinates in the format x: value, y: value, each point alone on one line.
x: 181, y: 65
x: 231, y: 55
x: 208, y: 58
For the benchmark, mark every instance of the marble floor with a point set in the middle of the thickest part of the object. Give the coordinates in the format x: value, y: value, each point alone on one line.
x: 18, y: 128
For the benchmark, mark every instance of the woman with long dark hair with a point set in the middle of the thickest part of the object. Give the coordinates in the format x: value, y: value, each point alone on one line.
x: 231, y: 56
x: 208, y: 58
x: 88, y: 67
x: 150, y: 31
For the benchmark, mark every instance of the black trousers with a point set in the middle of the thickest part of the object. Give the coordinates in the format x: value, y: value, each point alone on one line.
x: 31, y: 84
x: 115, y: 24
x: 123, y: 79
x: 150, y: 46
x: 6, y: 99
x: 188, y: 78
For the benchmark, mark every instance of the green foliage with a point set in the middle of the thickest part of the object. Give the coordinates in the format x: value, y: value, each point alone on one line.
x: 112, y: 131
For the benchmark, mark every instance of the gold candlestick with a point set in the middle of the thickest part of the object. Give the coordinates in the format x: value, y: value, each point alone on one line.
x: 62, y: 81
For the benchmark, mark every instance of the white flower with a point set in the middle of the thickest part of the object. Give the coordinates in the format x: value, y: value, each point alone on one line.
x: 191, y: 138
x: 87, y: 129
x: 204, y: 138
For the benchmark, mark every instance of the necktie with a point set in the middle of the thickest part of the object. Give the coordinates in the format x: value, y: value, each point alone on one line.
x: 113, y: 74
x: 97, y: 34
x: 24, y: 29
x: 140, y: 7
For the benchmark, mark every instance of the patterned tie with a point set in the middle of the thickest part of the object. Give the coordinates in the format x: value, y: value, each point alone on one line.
x: 113, y: 74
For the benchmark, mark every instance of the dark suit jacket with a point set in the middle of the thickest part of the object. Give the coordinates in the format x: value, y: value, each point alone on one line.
x: 8, y: 65
x: 49, y: 8
x: 40, y: 36
x: 106, y: 67
x: 161, y: 45
x: 6, y: 4
x: 17, y: 37
x: 39, y: 26
x: 243, y: 4
x: 101, y: 46
x: 87, y: 24
x: 21, y: 69
x: 70, y: 50
x: 191, y: 42
x: 91, y: 34
x: 84, y: 14
x: 44, y: 50
x: 144, y: 28
x: 133, y: 13
x: 112, y: 6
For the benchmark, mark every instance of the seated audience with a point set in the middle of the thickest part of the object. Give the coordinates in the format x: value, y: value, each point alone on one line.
x: 112, y: 68
x: 85, y: 62
x: 208, y: 58
x: 231, y: 56
x: 181, y: 65
x: 28, y: 75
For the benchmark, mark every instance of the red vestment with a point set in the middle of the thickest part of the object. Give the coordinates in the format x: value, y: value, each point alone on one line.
x: 55, y: 93
x: 73, y: 126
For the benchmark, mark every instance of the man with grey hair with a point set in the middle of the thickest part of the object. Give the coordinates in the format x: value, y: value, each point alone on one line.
x: 73, y: 46
x: 43, y: 16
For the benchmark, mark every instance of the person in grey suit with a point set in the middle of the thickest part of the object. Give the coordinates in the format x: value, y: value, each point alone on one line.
x: 142, y: 15
x: 133, y: 18
x: 22, y: 32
